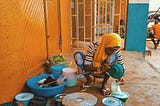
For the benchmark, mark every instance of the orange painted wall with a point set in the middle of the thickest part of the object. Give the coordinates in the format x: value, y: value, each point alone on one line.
x: 66, y: 25
x: 23, y: 46
x: 53, y: 31
x: 54, y: 21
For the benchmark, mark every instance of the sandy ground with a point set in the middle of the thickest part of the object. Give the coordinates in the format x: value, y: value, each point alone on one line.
x: 142, y: 82
x: 142, y: 79
x: 155, y: 54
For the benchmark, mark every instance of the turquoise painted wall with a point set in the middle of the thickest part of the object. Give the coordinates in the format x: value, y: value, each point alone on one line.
x: 137, y: 27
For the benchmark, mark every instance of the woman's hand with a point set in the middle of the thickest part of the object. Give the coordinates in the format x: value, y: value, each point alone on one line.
x: 90, y: 68
x: 120, y: 81
x: 105, y: 67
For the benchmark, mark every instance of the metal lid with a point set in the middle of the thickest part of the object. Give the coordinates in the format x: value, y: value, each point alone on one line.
x: 79, y: 99
x: 111, y: 101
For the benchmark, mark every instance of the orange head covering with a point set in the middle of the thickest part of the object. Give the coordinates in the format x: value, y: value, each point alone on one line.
x: 108, y: 40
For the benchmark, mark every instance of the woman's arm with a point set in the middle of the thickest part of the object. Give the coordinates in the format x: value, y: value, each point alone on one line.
x: 90, y: 53
x: 120, y: 58
x: 116, y: 57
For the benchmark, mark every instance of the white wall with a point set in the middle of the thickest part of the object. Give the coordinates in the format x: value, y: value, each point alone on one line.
x: 154, y: 5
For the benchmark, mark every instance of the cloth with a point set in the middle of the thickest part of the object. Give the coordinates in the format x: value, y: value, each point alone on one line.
x: 156, y: 30
x: 108, y: 40
x: 116, y: 57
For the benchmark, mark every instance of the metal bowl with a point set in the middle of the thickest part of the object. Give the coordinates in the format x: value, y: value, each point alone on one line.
x: 111, y: 101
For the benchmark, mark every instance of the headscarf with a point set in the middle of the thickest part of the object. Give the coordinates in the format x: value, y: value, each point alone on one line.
x: 108, y: 40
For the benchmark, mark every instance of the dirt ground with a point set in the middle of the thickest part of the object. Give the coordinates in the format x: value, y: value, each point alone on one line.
x: 142, y: 79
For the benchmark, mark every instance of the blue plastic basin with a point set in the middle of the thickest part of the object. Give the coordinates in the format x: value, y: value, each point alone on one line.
x: 57, y: 70
x: 46, y: 92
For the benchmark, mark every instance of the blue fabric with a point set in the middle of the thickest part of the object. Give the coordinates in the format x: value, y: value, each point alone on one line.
x: 79, y: 59
x: 112, y: 59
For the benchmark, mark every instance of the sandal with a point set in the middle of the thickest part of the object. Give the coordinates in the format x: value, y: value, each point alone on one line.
x: 82, y: 88
x: 88, y: 84
x: 106, y: 92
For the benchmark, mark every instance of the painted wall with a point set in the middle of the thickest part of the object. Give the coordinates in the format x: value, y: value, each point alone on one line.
x: 66, y: 25
x: 137, y: 25
x: 23, y: 46
x: 53, y: 27
x: 59, y: 24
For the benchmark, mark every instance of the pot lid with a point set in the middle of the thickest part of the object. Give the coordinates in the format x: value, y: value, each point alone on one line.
x: 79, y: 99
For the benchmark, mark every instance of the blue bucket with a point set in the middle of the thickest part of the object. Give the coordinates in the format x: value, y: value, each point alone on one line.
x: 57, y: 70
x: 71, y: 76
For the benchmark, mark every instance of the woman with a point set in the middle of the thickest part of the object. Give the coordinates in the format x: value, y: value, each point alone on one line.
x: 99, y: 57
x: 156, y: 30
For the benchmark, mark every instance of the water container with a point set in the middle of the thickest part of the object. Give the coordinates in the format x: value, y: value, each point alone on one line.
x: 71, y: 76
x: 115, y: 88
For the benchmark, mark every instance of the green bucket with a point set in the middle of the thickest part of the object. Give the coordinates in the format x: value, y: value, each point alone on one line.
x: 116, y: 71
x: 123, y: 96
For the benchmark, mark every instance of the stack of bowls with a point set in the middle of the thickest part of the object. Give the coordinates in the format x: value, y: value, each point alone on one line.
x: 116, y: 71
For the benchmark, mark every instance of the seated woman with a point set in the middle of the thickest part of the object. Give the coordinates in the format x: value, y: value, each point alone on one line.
x: 100, y: 57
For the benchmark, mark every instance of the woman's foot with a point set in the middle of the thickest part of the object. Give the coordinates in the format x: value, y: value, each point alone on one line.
x: 84, y: 87
x: 106, y: 92
x: 155, y: 46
